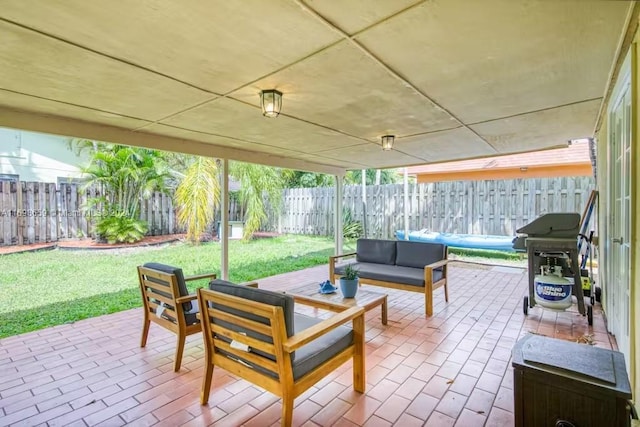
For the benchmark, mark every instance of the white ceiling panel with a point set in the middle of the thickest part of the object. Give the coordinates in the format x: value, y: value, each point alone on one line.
x: 35, y: 65
x: 216, y: 140
x: 344, y: 89
x: 215, y: 45
x: 368, y: 155
x: 495, y: 58
x: 354, y: 15
x: 542, y: 129
x: 228, y: 117
x: 445, y: 145
x: 43, y: 106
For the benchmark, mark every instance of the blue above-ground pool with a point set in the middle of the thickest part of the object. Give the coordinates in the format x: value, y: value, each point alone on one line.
x: 466, y: 241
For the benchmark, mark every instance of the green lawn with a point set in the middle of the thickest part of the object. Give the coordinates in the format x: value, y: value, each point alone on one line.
x: 41, y: 289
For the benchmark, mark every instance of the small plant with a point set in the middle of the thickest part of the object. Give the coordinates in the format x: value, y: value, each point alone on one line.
x: 119, y: 228
x: 351, y: 229
x: 350, y: 273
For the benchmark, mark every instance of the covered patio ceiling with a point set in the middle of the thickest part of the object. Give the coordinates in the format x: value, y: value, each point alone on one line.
x: 451, y: 79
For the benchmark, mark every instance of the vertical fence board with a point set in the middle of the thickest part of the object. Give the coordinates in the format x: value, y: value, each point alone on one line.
x: 8, y: 213
x: 52, y: 219
x: 41, y: 210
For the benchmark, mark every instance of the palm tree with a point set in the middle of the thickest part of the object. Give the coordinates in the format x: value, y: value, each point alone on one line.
x: 257, y: 181
x: 197, y: 196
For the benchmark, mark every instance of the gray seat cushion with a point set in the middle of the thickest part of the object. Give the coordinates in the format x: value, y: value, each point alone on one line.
x: 182, y: 286
x: 318, y: 351
x: 376, y: 251
x: 419, y: 254
x: 391, y: 273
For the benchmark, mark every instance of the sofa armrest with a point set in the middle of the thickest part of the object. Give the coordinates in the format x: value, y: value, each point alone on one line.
x: 200, y: 276
x: 437, y: 264
x: 298, y: 340
x: 319, y: 303
x: 334, y: 258
x: 332, y: 263
x: 187, y: 298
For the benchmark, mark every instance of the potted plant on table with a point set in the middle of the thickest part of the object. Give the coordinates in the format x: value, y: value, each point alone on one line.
x: 349, y: 282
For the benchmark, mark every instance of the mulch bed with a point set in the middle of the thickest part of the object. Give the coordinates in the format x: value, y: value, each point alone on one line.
x: 78, y: 244
x: 90, y: 244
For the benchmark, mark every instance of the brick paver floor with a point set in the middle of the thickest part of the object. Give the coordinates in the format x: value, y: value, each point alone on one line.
x: 451, y: 369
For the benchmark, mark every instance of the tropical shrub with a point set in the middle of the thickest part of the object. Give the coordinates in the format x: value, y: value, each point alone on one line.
x: 351, y: 229
x: 125, y: 176
x: 120, y: 228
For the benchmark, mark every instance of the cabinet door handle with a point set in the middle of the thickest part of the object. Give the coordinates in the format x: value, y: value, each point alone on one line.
x: 618, y: 241
x: 564, y: 423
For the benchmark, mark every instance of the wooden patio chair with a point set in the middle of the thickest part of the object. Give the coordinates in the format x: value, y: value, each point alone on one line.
x: 256, y: 335
x: 167, y: 303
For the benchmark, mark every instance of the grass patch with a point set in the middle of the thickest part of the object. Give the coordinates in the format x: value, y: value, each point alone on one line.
x: 482, y: 253
x: 47, y: 288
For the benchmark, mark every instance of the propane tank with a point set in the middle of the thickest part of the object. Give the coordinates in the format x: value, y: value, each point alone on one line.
x: 552, y: 290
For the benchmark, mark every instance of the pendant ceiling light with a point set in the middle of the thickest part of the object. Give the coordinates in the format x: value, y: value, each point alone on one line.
x: 271, y: 102
x: 387, y: 142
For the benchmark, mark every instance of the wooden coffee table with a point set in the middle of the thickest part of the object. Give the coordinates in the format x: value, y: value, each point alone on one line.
x: 366, y: 299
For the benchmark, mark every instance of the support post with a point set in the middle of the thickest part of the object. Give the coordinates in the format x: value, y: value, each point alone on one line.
x: 406, y: 204
x: 364, y: 203
x: 337, y: 230
x: 224, y: 222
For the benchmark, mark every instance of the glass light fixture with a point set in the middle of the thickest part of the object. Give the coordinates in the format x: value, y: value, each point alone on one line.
x: 387, y: 142
x: 271, y: 102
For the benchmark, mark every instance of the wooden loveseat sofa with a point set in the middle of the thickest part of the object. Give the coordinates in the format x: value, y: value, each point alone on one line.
x: 410, y: 266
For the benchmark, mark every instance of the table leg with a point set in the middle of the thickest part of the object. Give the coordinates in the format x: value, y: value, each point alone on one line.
x: 384, y: 310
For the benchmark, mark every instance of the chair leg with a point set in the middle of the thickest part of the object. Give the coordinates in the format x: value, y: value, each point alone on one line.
x: 287, y: 411
x: 359, y: 371
x: 179, y: 350
x: 446, y: 292
x: 206, y: 382
x: 145, y: 331
x: 428, y: 298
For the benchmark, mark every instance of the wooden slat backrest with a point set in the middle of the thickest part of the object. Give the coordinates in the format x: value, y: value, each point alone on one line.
x: 159, y: 287
x: 270, y: 357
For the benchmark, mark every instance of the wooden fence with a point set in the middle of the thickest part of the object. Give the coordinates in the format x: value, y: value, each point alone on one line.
x: 477, y: 207
x: 36, y: 212
x: 40, y: 212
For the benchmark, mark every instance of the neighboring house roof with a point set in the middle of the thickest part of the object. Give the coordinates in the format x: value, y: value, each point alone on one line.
x: 571, y: 161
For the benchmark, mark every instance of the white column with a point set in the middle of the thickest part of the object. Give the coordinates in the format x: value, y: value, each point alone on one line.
x: 364, y: 202
x: 406, y: 204
x: 338, y: 216
x: 224, y: 222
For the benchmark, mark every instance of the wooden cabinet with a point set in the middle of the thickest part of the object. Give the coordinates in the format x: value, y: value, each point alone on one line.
x: 563, y: 384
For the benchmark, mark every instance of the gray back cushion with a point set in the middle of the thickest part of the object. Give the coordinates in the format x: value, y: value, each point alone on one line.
x: 258, y: 295
x: 376, y: 251
x: 419, y: 254
x: 182, y: 286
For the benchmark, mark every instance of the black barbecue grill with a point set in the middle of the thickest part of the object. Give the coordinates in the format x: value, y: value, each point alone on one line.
x: 553, y: 235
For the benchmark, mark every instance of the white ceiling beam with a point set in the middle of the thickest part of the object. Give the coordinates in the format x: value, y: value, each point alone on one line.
x: 80, y: 129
